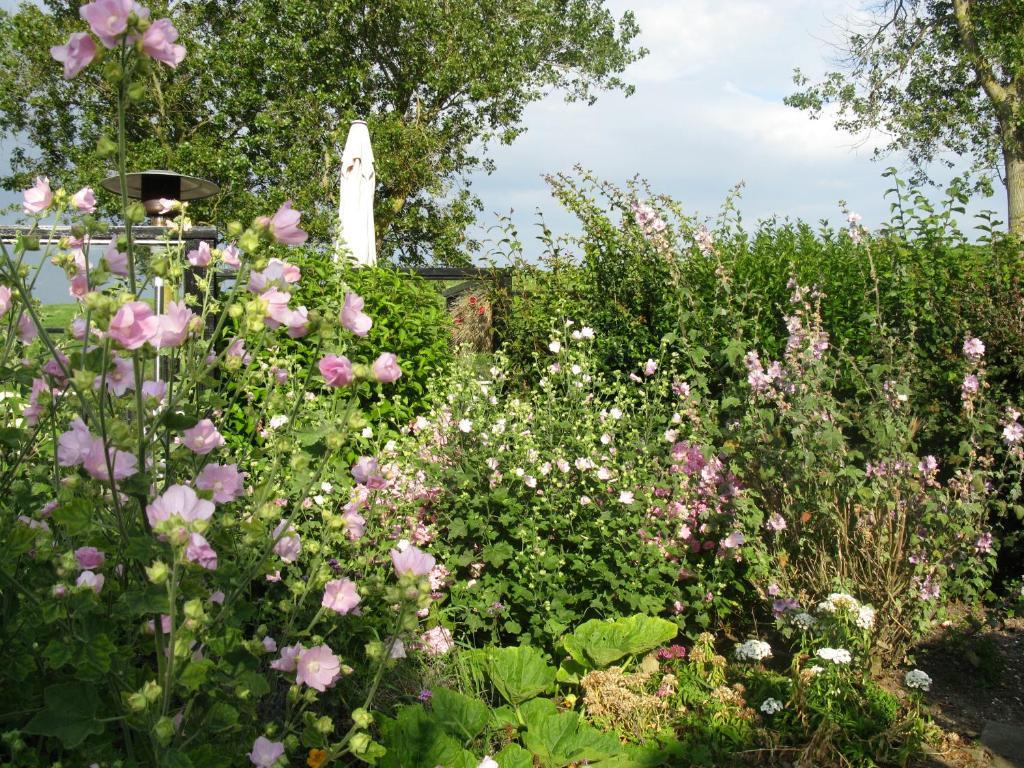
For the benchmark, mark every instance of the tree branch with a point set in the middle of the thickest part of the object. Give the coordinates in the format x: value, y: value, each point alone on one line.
x: 996, y: 91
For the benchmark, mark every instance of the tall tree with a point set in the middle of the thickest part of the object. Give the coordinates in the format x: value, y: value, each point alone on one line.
x: 937, y: 76
x: 262, y: 102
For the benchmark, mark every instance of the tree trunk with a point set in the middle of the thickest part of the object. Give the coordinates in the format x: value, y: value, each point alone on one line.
x: 1014, y: 161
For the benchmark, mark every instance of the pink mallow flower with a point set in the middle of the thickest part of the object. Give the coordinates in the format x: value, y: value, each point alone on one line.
x: 38, y: 197
x: 224, y: 480
x: 154, y: 390
x: 117, y: 261
x: 336, y: 370
x: 202, y: 438
x: 340, y: 596
x: 74, y: 445
x: 289, y: 656
x: 133, y: 325
x: 76, y: 54
x: 411, y: 559
x: 27, y: 331
x: 108, y: 19
x: 5, y: 300
x: 277, y: 273
x: 93, y: 581
x: 317, y: 667
x: 158, y: 43
x: 974, y: 349
x: 84, y: 200
x: 287, y: 544
x: 353, y: 317
x: 89, y: 558
x: 181, y: 502
x: 278, y: 311
x: 231, y: 255
x: 200, y: 257
x: 123, y: 463
x: 284, y: 225
x: 265, y: 753
x: 199, y: 551
x: 385, y: 368
x: 172, y: 327
x: 437, y: 641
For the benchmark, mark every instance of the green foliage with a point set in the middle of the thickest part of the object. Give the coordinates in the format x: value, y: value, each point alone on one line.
x: 599, y: 643
x: 262, y: 102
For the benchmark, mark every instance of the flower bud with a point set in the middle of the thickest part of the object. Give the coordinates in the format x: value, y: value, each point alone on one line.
x: 137, y: 702
x: 325, y: 725
x: 194, y: 609
x: 135, y: 214
x: 157, y: 572
x: 106, y: 147
x: 151, y: 691
x: 359, y: 743
x: 136, y: 92
x: 362, y: 718
x: 112, y: 71
x: 234, y: 229
x: 164, y: 730
x: 249, y: 241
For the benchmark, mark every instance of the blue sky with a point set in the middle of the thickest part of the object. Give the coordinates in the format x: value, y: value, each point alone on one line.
x: 707, y: 114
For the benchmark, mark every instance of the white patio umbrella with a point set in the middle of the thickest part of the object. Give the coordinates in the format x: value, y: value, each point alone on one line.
x: 355, y: 206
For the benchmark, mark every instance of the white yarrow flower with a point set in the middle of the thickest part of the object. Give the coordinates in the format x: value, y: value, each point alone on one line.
x: 753, y: 650
x: 919, y: 679
x: 771, y: 706
x: 835, y: 655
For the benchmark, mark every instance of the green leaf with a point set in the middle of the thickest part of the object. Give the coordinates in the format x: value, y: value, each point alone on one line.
x: 460, y: 715
x: 514, y: 756
x: 195, y: 674
x: 598, y: 643
x: 519, y: 673
x: 69, y: 714
x: 561, y: 739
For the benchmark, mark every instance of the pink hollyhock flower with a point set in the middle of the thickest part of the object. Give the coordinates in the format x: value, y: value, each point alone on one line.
x: 353, y: 317
x: 89, y: 558
x: 365, y: 471
x: 355, y: 525
x: 974, y: 349
x: 237, y: 350
x: 437, y: 641
x: 336, y: 370
x: 269, y: 644
x: 27, y: 331
x: 223, y: 479
x: 289, y: 657
x: 298, y: 323
x: 74, y: 445
x: 172, y: 327
x: 165, y: 625
x: 970, y: 385
x: 108, y: 19
x: 626, y: 497
x: 76, y: 54
x: 5, y: 300
x: 217, y: 597
x: 265, y: 753
x: 340, y: 596
x: 733, y: 540
x: 79, y: 285
x: 35, y: 409
x: 317, y: 667
x: 37, y: 197
x: 133, y: 325
x: 278, y: 313
x: 385, y: 368
x: 181, y: 502
x: 154, y: 390
x: 200, y: 257
x: 199, y: 551
x: 776, y: 522
x: 1013, y: 433
x: 287, y: 547
x: 93, y: 581
x: 650, y: 368
x: 158, y: 43
x: 231, y: 255
x: 277, y: 272
x: 124, y: 464
x: 202, y: 438
x: 84, y: 200
x: 120, y: 378
x: 284, y: 225
x: 410, y: 559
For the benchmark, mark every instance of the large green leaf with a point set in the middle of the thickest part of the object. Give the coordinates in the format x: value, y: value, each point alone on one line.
x: 562, y: 738
x: 463, y: 717
x: 69, y: 714
x: 519, y: 673
x: 514, y: 756
x: 414, y: 739
x: 598, y: 643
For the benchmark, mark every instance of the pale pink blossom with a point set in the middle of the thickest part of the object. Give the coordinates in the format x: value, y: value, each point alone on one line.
x: 84, y: 200
x: 289, y: 656
x: 199, y: 551
x: 974, y: 349
x: 336, y: 370
x: 93, y: 581
x: 202, y: 438
x: 265, y: 753
x: 284, y: 225
x: 201, y: 255
x: 123, y: 463
x: 74, y: 445
x: 108, y: 19
x: 178, y: 502
x: 172, y: 327
x: 158, y: 43
x: 38, y: 197
x: 76, y: 54
x: 231, y: 255
x: 278, y: 312
x: 437, y: 641
x: 317, y: 667
x: 224, y: 480
x: 89, y: 558
x: 27, y: 331
x: 734, y: 540
x: 119, y: 378
x: 385, y: 368
x: 154, y: 390
x: 650, y: 368
x: 277, y: 273
x: 133, y: 325
x: 298, y: 323
x: 287, y: 544
x: 340, y: 596
x: 352, y: 316
x: 411, y: 559
x: 5, y: 300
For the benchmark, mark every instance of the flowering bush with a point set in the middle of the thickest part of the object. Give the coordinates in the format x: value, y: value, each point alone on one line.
x: 164, y: 602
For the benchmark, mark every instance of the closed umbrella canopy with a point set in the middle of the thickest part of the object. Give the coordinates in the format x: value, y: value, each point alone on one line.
x: 355, y: 207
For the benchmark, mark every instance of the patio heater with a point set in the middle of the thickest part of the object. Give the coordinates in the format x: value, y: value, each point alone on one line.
x: 153, y: 186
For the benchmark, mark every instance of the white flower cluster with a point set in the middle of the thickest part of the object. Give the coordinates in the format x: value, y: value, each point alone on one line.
x: 865, y: 617
x: 753, y: 650
x: 919, y: 679
x: 771, y: 706
x: 835, y: 655
x: 803, y: 621
x: 838, y: 601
